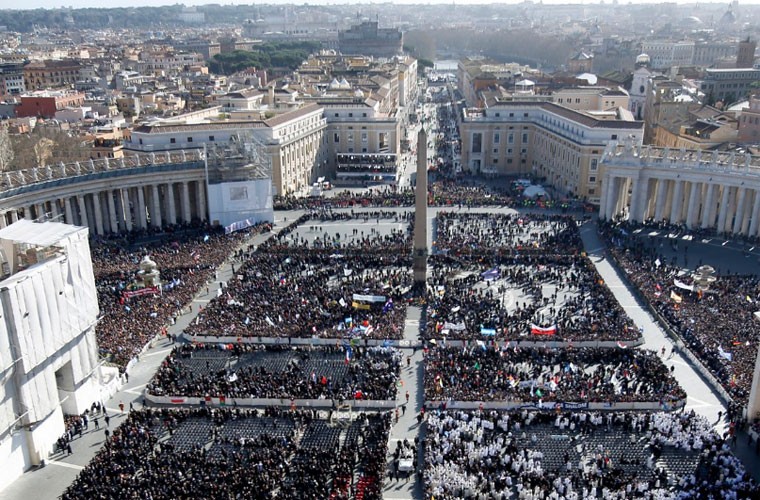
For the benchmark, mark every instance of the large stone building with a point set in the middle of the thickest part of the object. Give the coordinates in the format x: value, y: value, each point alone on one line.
x: 295, y: 142
x: 697, y: 189
x: 728, y: 85
x: 546, y: 140
x: 47, y: 74
x: 367, y: 39
x: 48, y: 352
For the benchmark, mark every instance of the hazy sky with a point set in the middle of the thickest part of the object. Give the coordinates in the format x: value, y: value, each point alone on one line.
x: 34, y: 4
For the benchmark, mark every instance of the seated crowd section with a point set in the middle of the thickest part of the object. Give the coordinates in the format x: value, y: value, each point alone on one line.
x: 714, y: 325
x: 503, y: 275
x: 305, y: 284
x: 256, y: 371
x: 234, y: 453
x: 586, y: 374
x: 610, y: 455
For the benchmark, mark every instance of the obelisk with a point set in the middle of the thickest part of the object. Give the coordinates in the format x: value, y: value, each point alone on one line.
x: 420, y: 212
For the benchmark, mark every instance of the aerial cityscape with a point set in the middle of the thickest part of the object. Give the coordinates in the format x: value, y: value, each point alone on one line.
x: 380, y: 251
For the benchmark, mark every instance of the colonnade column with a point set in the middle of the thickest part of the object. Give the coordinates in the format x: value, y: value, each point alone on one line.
x: 739, y: 217
x: 201, y: 196
x: 126, y: 208
x: 141, y: 218
x: 69, y: 213
x: 707, y: 211
x: 83, y: 221
x: 676, y: 203
x: 155, y: 213
x: 754, y: 223
x: 723, y: 215
x: 97, y: 208
x: 691, y: 211
x: 661, y: 197
x: 185, y: 200
x: 171, y: 205
x: 112, y: 210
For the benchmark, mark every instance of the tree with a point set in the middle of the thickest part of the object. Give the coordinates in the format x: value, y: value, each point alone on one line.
x: 6, y: 150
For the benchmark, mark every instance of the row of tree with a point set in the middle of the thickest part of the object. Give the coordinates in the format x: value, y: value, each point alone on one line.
x: 45, y: 145
x: 269, y: 55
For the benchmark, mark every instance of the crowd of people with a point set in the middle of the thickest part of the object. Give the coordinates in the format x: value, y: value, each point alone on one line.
x: 612, y: 455
x: 713, y: 324
x: 186, y: 261
x: 508, y: 297
x: 235, y: 453
x: 257, y: 371
x: 347, y: 285
x: 503, y: 373
x: 483, y: 233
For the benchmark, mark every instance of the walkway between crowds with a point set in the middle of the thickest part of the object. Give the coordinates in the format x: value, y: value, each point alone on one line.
x: 406, y: 485
x: 700, y: 395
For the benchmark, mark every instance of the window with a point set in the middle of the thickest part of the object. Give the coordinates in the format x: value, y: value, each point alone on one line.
x: 614, y: 136
x: 496, y: 138
x: 594, y: 164
x: 477, y: 142
x: 189, y: 139
x: 577, y: 100
x: 525, y: 115
x: 495, y: 161
x: 525, y: 137
x: 523, y: 150
x: 509, y: 151
x: 592, y: 179
x: 350, y: 115
x: 172, y: 140
x: 511, y: 115
x: 211, y: 138
x: 509, y: 160
x: 495, y: 151
x: 336, y: 137
x: 364, y: 150
x: 336, y: 115
x: 364, y: 115
x: 511, y: 138
x: 591, y: 191
x: 498, y: 115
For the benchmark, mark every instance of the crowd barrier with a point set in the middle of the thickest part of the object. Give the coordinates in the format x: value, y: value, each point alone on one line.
x: 558, y: 405
x: 319, y: 404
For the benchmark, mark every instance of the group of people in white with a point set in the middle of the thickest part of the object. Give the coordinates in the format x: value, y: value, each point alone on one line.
x: 500, y: 455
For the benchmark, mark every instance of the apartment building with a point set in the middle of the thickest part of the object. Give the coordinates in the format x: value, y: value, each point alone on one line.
x: 49, y: 74
x: 728, y: 85
x: 561, y: 145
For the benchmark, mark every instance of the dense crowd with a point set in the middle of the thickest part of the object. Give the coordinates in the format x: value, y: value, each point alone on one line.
x: 256, y: 371
x: 608, y: 375
x: 232, y: 453
x: 713, y: 324
x: 529, y: 455
x: 508, y: 296
x: 186, y: 261
x: 482, y: 233
x: 297, y: 286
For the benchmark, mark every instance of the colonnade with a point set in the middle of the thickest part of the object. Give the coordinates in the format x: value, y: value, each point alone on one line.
x: 113, y: 210
x: 695, y: 203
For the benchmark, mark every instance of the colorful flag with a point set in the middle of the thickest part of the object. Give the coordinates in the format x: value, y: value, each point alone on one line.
x: 539, y: 330
x: 724, y: 354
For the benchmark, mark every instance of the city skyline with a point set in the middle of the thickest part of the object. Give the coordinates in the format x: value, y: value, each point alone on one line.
x: 81, y: 4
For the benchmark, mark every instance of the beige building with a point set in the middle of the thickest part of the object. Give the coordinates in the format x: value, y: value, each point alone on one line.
x: 560, y: 145
x: 295, y: 141
x: 591, y: 98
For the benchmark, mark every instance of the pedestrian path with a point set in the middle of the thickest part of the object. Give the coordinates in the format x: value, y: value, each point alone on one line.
x: 407, y: 427
x: 700, y: 396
